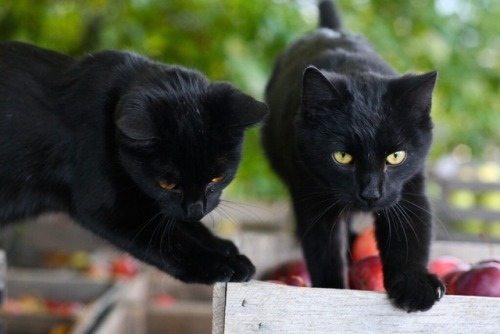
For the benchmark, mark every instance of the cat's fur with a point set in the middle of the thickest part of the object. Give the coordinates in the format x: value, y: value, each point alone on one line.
x: 330, y: 92
x: 95, y: 137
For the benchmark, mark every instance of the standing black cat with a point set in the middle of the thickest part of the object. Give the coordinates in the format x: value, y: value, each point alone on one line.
x: 133, y: 150
x: 347, y: 134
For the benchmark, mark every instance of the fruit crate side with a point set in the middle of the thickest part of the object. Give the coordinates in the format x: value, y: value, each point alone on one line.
x: 266, y: 307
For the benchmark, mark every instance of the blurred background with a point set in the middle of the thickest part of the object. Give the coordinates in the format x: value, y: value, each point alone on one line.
x: 238, y: 41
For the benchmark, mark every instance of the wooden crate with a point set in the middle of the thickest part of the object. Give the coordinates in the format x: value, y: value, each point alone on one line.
x: 467, y: 205
x: 266, y: 307
x: 136, y: 313
x: 63, y: 285
x: 3, y: 276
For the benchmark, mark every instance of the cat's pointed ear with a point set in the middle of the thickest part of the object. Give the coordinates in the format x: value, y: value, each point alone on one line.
x: 133, y: 121
x: 414, y: 91
x: 319, y: 92
x: 233, y: 107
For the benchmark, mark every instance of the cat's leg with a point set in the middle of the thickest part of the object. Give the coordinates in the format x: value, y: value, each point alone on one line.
x: 404, y: 235
x: 198, y: 256
x: 186, y: 250
x: 323, y: 237
x: 205, y: 237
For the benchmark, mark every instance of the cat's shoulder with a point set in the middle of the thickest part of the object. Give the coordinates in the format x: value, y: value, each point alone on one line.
x: 15, y: 55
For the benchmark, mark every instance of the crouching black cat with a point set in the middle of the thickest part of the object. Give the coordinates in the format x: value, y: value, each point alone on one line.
x: 133, y: 150
x: 346, y: 133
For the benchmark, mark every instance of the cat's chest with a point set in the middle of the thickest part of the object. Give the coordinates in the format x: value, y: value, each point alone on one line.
x: 359, y: 221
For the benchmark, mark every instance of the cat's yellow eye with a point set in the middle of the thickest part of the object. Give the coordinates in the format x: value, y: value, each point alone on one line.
x: 342, y: 158
x: 166, y: 185
x: 218, y: 179
x: 396, y: 158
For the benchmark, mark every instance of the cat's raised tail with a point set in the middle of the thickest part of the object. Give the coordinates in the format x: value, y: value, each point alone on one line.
x: 329, y: 15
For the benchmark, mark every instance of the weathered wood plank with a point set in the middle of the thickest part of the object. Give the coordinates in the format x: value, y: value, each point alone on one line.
x: 219, y: 308
x: 265, y: 307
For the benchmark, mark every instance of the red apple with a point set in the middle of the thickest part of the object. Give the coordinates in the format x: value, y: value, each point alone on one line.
x: 291, y: 272
x: 164, y: 300
x: 124, y: 267
x: 446, y: 264
x: 366, y: 274
x: 450, y: 280
x: 65, y: 309
x: 492, y: 260
x: 295, y: 280
x: 364, y: 244
x: 482, y: 280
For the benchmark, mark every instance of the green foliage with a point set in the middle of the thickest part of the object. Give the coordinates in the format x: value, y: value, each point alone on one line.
x: 238, y: 41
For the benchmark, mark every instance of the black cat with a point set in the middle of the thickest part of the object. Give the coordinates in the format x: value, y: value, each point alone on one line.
x: 133, y: 150
x: 347, y: 134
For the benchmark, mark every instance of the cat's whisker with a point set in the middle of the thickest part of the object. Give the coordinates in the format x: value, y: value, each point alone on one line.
x: 435, y: 217
x: 157, y: 228
x: 225, y: 213
x: 142, y: 228
x: 167, y: 230
x: 406, y: 216
x: 389, y: 230
x: 344, y: 213
x: 245, y: 209
x: 318, y: 217
x: 211, y: 218
x: 398, y: 214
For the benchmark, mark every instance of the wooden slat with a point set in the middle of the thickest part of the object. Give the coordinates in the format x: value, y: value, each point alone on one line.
x: 449, y: 213
x: 450, y: 185
x: 265, y: 307
x: 219, y: 308
x: 471, y: 252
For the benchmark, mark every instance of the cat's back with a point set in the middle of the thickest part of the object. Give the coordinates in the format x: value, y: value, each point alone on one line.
x: 27, y: 75
x: 22, y: 63
x: 328, y: 50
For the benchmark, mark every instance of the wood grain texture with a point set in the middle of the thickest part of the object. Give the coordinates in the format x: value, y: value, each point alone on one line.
x: 219, y: 308
x: 271, y: 308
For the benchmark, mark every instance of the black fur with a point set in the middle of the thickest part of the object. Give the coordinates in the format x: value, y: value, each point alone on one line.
x: 95, y: 137
x: 330, y: 92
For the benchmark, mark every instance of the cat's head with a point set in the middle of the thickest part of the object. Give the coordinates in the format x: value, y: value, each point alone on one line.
x: 364, y: 137
x: 180, y: 139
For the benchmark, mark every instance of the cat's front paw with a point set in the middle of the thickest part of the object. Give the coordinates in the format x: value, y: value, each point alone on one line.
x: 225, y: 247
x: 415, y: 291
x: 236, y: 268
x: 243, y: 269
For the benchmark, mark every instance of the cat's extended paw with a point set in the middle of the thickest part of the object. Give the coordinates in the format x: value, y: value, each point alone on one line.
x: 243, y: 268
x: 225, y: 247
x: 235, y: 268
x: 415, y: 291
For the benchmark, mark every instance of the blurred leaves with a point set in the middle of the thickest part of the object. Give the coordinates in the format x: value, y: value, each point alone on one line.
x: 238, y: 41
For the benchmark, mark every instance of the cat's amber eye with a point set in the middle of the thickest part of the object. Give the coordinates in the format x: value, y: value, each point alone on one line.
x: 166, y: 185
x: 218, y: 179
x: 396, y: 158
x: 342, y: 158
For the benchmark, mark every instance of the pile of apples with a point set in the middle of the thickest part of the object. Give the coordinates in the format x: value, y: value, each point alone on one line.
x: 35, y: 304
x: 461, y: 278
x: 365, y: 271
